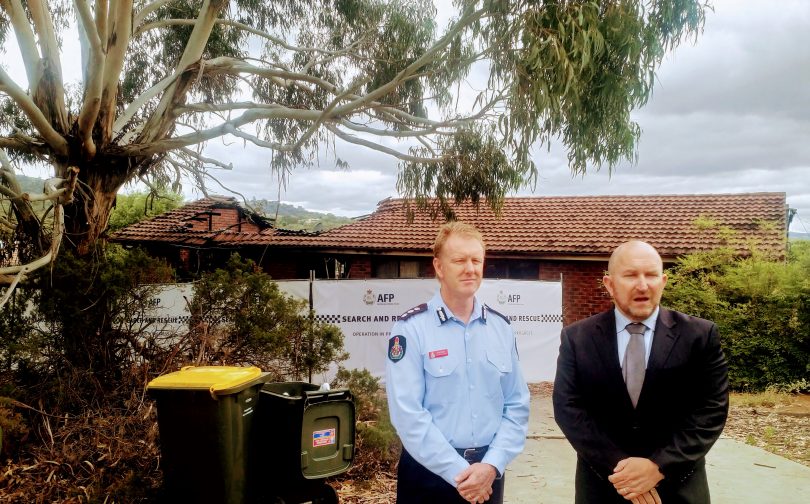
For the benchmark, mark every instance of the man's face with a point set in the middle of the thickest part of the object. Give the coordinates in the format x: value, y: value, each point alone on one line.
x: 636, y: 281
x: 460, y: 266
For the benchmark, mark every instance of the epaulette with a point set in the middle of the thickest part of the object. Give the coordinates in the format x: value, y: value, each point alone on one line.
x: 413, y: 311
x: 487, y: 308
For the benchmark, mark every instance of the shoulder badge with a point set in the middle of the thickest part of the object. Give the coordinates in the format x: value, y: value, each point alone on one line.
x: 487, y: 308
x: 413, y: 311
x: 396, y: 348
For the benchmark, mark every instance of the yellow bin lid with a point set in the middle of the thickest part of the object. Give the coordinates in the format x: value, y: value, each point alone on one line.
x: 218, y: 380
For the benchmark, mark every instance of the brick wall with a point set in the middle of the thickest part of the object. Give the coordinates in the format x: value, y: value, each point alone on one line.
x: 223, y: 218
x: 281, y: 270
x: 360, y: 268
x: 583, y: 294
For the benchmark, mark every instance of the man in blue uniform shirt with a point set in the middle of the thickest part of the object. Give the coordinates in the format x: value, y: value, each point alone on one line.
x: 456, y: 394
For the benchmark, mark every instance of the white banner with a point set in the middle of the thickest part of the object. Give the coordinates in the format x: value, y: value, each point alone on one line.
x: 294, y: 288
x: 167, y: 311
x: 535, y: 310
x: 365, y: 310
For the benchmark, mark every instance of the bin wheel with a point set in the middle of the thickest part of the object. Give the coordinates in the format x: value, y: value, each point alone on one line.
x: 328, y: 495
x: 323, y: 494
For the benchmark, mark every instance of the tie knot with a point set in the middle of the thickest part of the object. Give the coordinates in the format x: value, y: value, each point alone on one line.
x: 636, y: 328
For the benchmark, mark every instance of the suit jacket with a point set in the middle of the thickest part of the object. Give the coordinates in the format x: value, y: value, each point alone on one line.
x: 680, y: 413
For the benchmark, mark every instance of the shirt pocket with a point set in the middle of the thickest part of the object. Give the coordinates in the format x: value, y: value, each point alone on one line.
x: 500, y: 359
x: 440, y: 367
x: 441, y: 381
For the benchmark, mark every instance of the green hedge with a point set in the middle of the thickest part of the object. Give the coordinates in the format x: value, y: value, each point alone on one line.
x: 761, y: 305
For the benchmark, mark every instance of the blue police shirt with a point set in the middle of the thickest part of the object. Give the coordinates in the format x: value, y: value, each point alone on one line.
x: 452, y: 385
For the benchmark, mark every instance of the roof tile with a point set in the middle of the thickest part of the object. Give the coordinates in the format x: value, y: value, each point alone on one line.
x: 535, y: 226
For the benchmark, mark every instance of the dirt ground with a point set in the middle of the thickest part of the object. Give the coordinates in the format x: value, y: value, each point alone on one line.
x: 777, y: 423
x: 780, y: 428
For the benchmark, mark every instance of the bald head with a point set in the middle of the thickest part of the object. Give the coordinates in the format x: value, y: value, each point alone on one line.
x: 633, y: 248
x: 635, y: 279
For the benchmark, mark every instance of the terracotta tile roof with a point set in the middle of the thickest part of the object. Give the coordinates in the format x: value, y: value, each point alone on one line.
x: 547, y: 226
x: 175, y: 227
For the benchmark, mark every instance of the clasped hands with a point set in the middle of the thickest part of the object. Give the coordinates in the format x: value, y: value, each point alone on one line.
x: 635, y: 478
x: 474, y: 483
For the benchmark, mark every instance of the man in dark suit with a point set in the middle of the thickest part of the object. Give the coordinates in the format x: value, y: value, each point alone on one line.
x: 641, y: 404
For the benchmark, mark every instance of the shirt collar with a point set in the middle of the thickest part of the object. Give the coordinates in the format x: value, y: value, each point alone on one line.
x: 442, y: 313
x: 622, y: 321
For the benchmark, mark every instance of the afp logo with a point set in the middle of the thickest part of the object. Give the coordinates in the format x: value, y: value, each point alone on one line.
x: 504, y: 298
x: 383, y: 298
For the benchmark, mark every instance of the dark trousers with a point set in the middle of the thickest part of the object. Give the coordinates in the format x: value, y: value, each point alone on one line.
x: 592, y: 488
x: 417, y: 485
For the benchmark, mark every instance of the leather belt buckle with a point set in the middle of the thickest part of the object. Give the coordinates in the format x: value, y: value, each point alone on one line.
x: 469, y: 452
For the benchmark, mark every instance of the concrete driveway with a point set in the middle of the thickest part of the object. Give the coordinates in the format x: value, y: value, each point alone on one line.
x: 738, y: 473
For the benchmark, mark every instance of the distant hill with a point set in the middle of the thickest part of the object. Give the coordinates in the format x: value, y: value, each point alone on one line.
x: 795, y: 235
x: 30, y: 184
x: 298, y: 217
x: 289, y: 216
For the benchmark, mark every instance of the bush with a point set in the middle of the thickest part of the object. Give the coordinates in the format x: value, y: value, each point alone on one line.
x: 761, y: 305
x: 239, y: 316
x: 377, y: 446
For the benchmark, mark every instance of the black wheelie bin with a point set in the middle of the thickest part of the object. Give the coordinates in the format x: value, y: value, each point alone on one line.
x: 304, y: 434
x: 206, y: 420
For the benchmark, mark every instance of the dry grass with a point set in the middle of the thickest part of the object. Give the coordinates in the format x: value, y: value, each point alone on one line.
x: 779, y: 423
x: 767, y: 399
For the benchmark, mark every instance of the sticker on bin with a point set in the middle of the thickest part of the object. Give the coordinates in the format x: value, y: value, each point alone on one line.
x: 323, y: 437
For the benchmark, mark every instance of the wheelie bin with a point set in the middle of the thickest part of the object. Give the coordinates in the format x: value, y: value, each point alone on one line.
x: 304, y: 434
x: 206, y: 420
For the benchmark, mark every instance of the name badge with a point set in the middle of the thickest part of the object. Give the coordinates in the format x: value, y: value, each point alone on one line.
x: 438, y: 353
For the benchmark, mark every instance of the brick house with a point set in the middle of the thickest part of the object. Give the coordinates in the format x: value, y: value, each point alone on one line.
x: 549, y: 238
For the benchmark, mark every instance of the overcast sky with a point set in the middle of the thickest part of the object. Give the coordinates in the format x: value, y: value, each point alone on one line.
x: 729, y: 114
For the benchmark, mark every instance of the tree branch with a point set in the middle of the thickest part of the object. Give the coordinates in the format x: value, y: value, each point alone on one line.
x: 21, y: 271
x: 95, y: 74
x: 49, y: 95
x: 236, y: 24
x: 206, y: 160
x: 119, y: 35
x: 102, y: 14
x: 161, y: 120
x: 25, y: 39
x: 148, y: 9
x: 380, y: 148
x: 139, y: 102
x: 467, y: 18
x: 34, y: 114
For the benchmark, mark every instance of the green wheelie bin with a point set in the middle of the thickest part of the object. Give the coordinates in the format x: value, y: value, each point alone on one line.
x: 206, y: 421
x: 304, y: 434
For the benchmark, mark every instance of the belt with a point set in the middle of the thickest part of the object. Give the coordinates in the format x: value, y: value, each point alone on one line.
x: 473, y: 455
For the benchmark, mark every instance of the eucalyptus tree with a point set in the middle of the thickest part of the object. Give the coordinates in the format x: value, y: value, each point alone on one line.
x: 160, y: 78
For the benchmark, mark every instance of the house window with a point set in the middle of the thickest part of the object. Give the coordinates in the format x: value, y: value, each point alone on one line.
x: 496, y: 269
x: 386, y: 269
x: 409, y: 269
x: 396, y: 268
x: 524, y: 270
x: 512, y: 269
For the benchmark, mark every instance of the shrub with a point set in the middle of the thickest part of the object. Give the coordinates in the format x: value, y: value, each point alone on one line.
x: 761, y: 305
x: 377, y: 446
x: 239, y: 316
